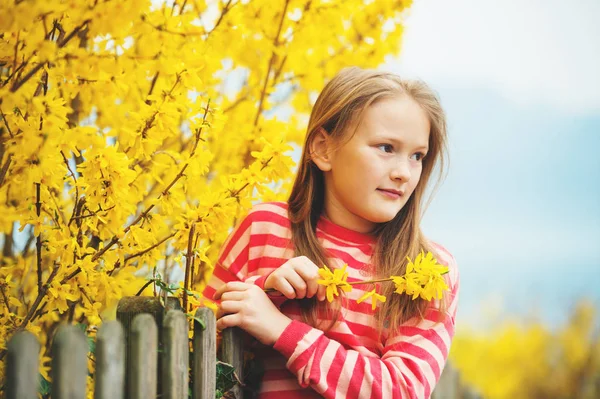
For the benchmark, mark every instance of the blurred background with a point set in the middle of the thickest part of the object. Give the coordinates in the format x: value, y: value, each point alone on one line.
x: 520, y: 208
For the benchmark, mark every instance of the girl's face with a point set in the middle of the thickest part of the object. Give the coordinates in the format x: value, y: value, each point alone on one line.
x: 385, y: 154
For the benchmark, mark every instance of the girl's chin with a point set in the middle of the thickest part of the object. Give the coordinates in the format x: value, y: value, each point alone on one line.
x: 382, y: 217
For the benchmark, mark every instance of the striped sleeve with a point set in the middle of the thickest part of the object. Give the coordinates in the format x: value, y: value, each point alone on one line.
x: 409, y: 366
x: 235, y: 263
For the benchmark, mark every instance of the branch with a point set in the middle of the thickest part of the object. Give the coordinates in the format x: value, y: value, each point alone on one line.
x: 75, y: 205
x: 189, y: 262
x: 152, y: 84
x: 127, y: 258
x: 41, y: 294
x: 144, y: 286
x: 38, y: 244
x: 226, y: 9
x: 4, y: 169
x: 4, y: 297
x: 61, y: 43
x: 6, y: 124
x: 271, y: 62
x: 143, y: 215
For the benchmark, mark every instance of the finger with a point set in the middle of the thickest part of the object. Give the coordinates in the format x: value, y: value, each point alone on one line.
x: 233, y: 296
x: 228, y: 307
x: 231, y: 320
x: 230, y: 286
x: 283, y: 286
x: 298, y: 283
x: 310, y: 274
x: 322, y: 293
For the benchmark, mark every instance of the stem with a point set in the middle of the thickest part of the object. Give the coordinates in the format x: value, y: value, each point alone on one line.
x: 38, y: 243
x: 35, y: 69
x: 370, y: 281
x: 4, y: 169
x: 41, y: 294
x: 271, y: 62
x: 189, y: 262
x: 152, y: 280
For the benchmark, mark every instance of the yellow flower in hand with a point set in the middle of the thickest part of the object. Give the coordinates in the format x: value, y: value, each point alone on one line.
x: 423, y: 278
x: 376, y: 297
x: 334, y: 280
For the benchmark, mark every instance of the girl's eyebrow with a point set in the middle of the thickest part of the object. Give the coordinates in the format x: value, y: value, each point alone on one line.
x: 399, y: 142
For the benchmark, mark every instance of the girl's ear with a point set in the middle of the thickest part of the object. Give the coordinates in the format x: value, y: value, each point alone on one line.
x: 319, y: 150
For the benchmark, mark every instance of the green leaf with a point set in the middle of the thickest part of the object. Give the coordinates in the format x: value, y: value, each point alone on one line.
x: 226, y: 377
x: 44, y: 386
x: 91, y: 345
x: 199, y: 320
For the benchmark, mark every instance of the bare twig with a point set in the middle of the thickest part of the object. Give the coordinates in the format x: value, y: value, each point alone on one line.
x: 226, y: 9
x: 271, y: 62
x: 41, y: 294
x: 143, y: 252
x: 61, y: 43
x: 75, y: 205
x: 4, y: 169
x: 6, y: 123
x: 38, y: 244
x: 152, y: 280
x: 189, y: 261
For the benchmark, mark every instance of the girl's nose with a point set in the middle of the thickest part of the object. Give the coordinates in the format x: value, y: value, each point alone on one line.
x: 401, y: 171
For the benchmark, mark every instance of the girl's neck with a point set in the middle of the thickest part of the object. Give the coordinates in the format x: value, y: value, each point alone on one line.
x: 341, y: 232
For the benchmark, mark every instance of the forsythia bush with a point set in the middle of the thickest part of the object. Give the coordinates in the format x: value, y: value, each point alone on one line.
x: 531, y: 361
x: 134, y: 133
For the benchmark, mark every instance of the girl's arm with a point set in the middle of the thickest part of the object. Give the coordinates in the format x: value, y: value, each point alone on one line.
x: 409, y: 367
x: 240, y: 253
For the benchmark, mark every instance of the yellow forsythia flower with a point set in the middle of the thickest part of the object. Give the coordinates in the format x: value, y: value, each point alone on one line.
x: 376, y: 297
x: 423, y: 278
x: 334, y: 280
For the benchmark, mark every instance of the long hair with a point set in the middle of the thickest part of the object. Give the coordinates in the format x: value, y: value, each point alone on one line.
x: 339, y: 106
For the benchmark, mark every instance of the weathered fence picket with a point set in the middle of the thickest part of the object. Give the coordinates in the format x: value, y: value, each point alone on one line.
x: 22, y: 366
x: 175, y: 356
x: 110, y: 362
x: 233, y: 353
x: 143, y: 360
x: 147, y: 356
x: 204, y: 377
x: 69, y: 363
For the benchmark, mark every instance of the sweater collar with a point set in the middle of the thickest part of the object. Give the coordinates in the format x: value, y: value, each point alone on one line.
x: 343, y: 233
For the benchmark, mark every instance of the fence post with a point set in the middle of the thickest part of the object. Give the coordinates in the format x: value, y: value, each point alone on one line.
x: 69, y: 363
x: 143, y: 345
x: 110, y: 362
x: 204, y: 378
x: 22, y: 366
x: 131, y: 306
x: 233, y: 353
x: 175, y: 365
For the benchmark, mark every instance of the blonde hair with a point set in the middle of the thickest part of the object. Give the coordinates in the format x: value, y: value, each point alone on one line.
x: 342, y: 102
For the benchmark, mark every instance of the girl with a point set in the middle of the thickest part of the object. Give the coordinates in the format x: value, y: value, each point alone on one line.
x: 373, y: 140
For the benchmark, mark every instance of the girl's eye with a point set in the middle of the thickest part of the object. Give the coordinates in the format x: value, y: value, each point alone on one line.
x: 420, y: 154
x: 386, y: 146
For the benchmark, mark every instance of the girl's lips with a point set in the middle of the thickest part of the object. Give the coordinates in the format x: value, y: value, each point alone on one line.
x: 389, y: 194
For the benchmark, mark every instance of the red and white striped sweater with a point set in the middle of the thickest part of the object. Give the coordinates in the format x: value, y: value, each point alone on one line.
x: 349, y: 361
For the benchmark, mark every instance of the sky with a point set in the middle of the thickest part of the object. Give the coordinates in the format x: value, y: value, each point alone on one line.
x: 520, y: 207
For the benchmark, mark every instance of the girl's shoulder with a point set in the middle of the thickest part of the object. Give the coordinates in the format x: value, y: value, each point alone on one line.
x: 268, y: 212
x: 268, y: 209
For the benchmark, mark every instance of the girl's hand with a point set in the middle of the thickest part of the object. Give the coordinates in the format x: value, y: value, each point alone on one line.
x: 297, y: 278
x: 248, y: 307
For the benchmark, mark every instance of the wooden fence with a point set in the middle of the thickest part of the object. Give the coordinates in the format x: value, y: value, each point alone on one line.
x: 131, y: 351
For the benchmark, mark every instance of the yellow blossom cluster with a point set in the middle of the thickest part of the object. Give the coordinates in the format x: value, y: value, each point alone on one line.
x: 423, y: 278
x: 133, y: 135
